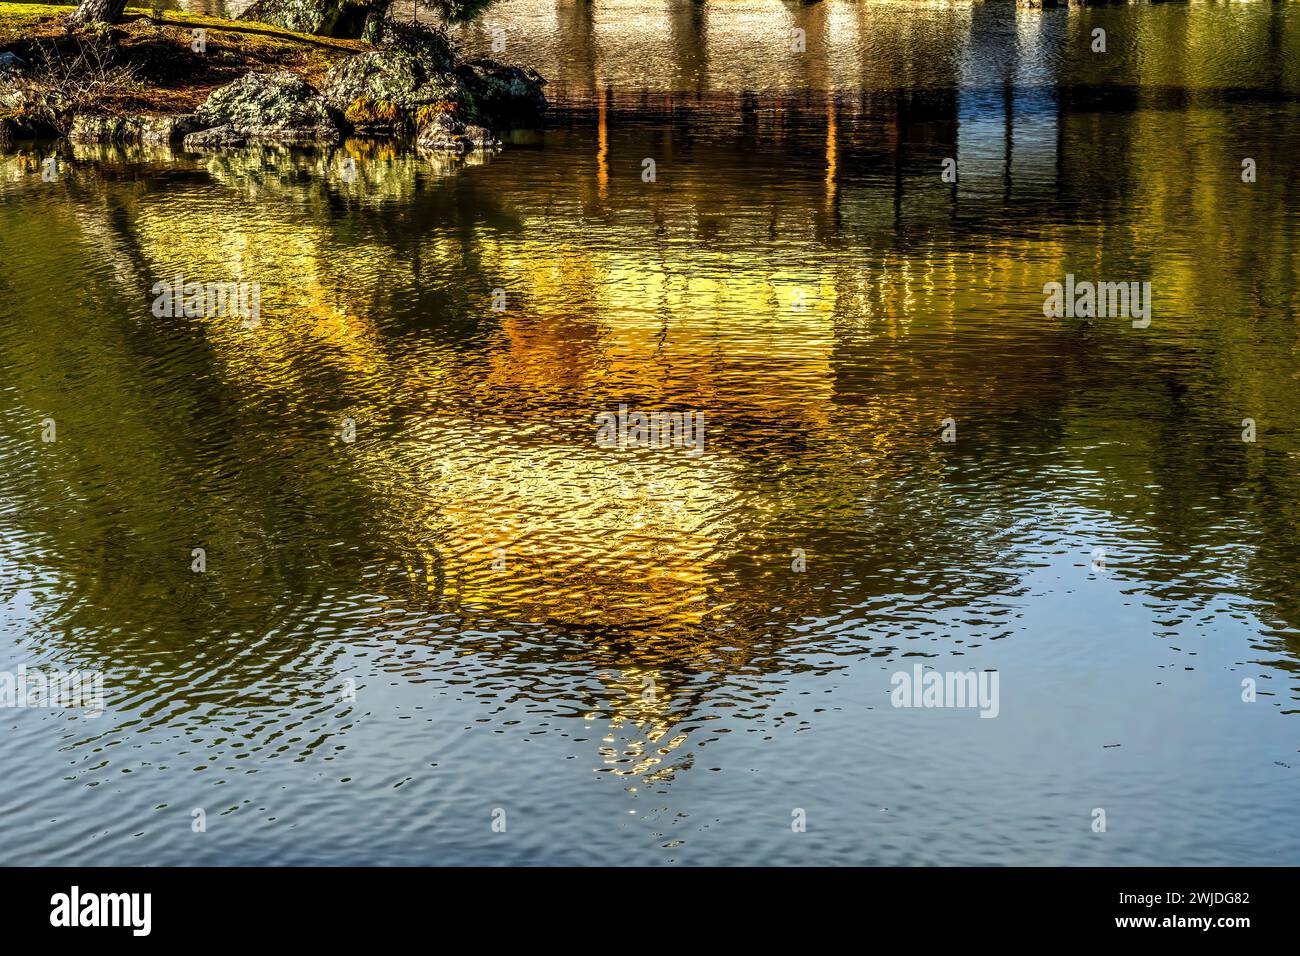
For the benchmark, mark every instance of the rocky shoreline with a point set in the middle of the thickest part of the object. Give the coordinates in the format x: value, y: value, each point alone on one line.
x: 408, y: 84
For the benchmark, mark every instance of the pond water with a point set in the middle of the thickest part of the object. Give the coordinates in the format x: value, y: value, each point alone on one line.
x: 431, y: 603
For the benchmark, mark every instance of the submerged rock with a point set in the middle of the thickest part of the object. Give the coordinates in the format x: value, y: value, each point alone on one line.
x: 145, y: 129
x: 278, y: 107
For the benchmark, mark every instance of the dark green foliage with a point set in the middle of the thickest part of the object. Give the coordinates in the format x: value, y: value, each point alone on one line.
x: 456, y: 11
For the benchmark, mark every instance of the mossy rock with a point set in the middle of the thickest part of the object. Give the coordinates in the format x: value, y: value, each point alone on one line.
x: 430, y: 46
x: 386, y: 76
x: 11, y: 75
x: 384, y: 89
x: 445, y: 133
x: 331, y: 18
x: 148, y: 130
x: 267, y: 101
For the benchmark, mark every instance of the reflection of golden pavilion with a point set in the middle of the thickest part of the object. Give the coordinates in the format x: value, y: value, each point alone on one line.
x: 641, y: 704
x: 570, y: 533
x: 494, y: 486
x: 510, y: 507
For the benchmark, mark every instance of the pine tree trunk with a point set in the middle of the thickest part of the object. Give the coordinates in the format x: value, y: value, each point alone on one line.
x: 99, y: 11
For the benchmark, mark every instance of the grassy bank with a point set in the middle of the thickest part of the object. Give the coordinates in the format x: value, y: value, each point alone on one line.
x: 154, y: 67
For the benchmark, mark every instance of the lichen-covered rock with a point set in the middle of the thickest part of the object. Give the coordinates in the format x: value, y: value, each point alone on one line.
x: 216, y: 137
x: 443, y: 88
x: 384, y: 89
x: 381, y: 76
x: 163, y: 130
x: 277, y: 107
x: 502, y: 94
x: 428, y: 45
x: 332, y: 18
x: 445, y: 133
x: 480, y: 137
x: 239, y: 136
x: 145, y: 129
x: 442, y: 132
x: 11, y: 93
x: 266, y: 99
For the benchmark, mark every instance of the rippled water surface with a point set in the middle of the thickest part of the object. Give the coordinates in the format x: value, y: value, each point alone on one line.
x: 614, y: 647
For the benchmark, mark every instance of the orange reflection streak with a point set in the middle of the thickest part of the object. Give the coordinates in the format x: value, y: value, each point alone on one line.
x: 602, y: 147
x: 832, y: 153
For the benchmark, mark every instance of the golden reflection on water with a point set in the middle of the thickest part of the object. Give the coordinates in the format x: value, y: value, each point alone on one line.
x: 492, y: 484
